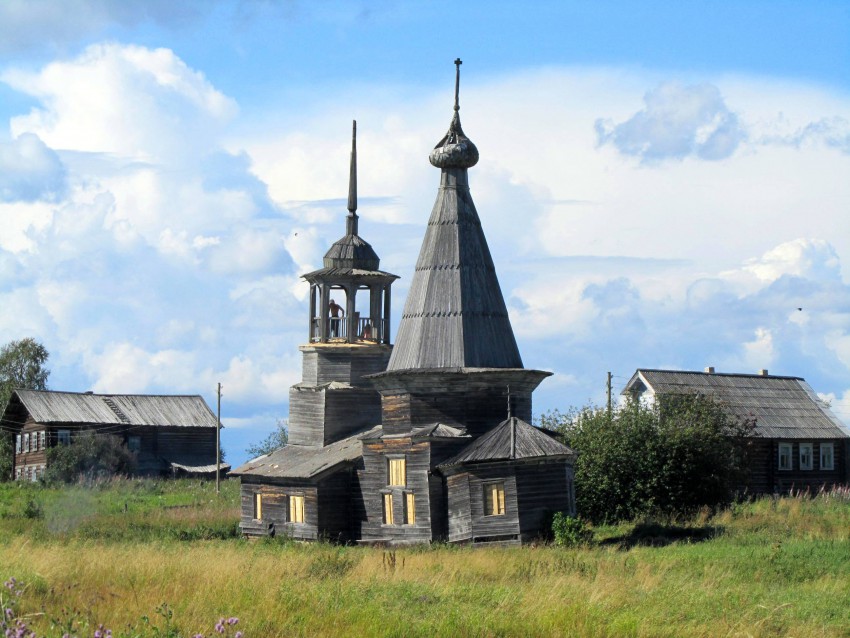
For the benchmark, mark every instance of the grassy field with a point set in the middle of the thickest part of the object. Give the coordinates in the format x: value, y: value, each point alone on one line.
x: 116, y: 553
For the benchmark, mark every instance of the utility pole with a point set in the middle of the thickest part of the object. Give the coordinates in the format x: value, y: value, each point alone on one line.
x: 608, y: 387
x: 218, y: 444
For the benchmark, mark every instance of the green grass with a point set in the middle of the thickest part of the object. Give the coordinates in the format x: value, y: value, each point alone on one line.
x: 776, y: 567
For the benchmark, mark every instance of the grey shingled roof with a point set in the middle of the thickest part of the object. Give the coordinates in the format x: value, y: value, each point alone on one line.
x: 432, y: 431
x: 304, y: 462
x: 529, y: 443
x: 454, y: 315
x: 784, y: 407
x: 47, y: 406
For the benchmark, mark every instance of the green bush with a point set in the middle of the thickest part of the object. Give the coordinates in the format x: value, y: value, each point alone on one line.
x: 89, y: 456
x: 668, y: 460
x: 569, y: 531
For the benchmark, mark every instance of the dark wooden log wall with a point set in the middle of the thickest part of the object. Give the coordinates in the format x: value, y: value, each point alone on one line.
x: 478, y: 410
x: 767, y: 478
x: 460, y: 510
x: 373, y: 482
x: 487, y: 528
x: 542, y: 490
x: 275, y: 508
x: 320, y: 416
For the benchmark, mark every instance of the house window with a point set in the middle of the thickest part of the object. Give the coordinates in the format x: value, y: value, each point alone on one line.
x: 258, y: 507
x: 19, y: 472
x: 494, y: 499
x: 63, y: 437
x: 27, y: 442
x: 42, y: 440
x: 397, y: 470
x: 18, y: 444
x: 805, y: 456
x: 784, y: 456
x: 827, y: 456
x: 134, y: 443
x: 409, y: 509
x: 388, y: 509
x: 296, y: 509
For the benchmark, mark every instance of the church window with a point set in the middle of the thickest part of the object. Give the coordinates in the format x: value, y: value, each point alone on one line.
x: 388, y: 510
x: 258, y: 507
x: 296, y: 509
x: 494, y: 499
x: 409, y: 508
x: 397, y: 472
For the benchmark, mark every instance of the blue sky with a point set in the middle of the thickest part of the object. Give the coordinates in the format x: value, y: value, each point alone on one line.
x: 662, y: 185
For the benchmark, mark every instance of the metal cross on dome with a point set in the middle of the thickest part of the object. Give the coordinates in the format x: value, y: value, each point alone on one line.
x: 458, y: 62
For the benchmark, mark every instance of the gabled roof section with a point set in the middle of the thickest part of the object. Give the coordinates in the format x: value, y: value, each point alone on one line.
x: 431, y: 431
x: 46, y: 406
x: 455, y: 315
x: 784, y: 407
x: 305, y: 462
x: 512, y: 439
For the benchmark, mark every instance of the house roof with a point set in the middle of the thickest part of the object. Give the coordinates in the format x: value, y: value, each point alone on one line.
x: 454, y: 315
x: 529, y: 442
x: 305, y: 462
x: 784, y: 407
x: 46, y: 406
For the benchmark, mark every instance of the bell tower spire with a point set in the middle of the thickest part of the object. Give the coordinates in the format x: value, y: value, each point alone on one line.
x: 351, y: 220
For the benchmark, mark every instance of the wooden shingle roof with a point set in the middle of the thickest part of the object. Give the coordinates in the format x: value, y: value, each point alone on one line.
x: 512, y: 439
x: 46, y: 406
x: 784, y: 407
x: 305, y: 462
x: 454, y: 315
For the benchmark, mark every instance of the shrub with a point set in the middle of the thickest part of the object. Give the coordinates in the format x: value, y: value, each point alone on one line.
x: 668, y: 460
x: 569, y: 531
x: 89, y: 456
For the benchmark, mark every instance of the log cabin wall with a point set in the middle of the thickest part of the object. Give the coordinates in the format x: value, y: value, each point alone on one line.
x: 459, y: 508
x: 30, y: 461
x: 320, y: 416
x: 489, y: 528
x: 275, y: 509
x: 374, y: 484
x: 542, y: 490
x: 804, y: 480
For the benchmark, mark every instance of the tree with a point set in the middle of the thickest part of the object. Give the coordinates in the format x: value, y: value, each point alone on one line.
x: 671, y: 459
x: 21, y: 366
x: 278, y: 438
x: 89, y: 456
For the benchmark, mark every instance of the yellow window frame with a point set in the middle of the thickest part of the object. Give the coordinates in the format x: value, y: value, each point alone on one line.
x: 397, y: 470
x: 494, y: 499
x: 296, y: 508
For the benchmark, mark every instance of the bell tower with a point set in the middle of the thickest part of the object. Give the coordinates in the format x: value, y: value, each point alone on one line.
x: 348, y: 337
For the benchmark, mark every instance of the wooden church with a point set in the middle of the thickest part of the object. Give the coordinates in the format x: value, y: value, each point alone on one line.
x: 425, y: 440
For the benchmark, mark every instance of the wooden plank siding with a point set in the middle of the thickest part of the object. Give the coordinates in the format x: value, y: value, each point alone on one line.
x: 275, y: 515
x: 321, y: 416
x: 766, y: 477
x: 542, y: 490
x: 499, y: 528
x: 374, y: 483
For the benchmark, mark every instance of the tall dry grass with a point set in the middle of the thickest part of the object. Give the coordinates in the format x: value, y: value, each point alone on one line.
x: 774, y: 567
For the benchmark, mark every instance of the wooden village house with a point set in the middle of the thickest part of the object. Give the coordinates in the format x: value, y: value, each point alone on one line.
x: 428, y: 439
x: 798, y: 442
x: 169, y: 435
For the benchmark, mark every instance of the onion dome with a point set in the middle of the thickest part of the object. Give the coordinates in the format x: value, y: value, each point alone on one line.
x: 455, y: 150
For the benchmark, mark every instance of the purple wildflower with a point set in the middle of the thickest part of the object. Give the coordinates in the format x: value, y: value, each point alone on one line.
x: 232, y: 620
x: 219, y: 626
x: 238, y: 634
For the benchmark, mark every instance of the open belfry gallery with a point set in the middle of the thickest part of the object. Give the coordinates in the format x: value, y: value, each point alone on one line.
x: 427, y: 439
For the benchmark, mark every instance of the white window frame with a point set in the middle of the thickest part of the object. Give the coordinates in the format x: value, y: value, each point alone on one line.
x: 807, y: 455
x: 18, y: 444
x: 26, y: 441
x: 786, y: 451
x: 827, y: 460
x: 42, y: 440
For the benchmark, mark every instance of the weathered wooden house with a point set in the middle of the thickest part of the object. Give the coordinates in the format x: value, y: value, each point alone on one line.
x: 169, y: 435
x: 406, y: 443
x: 798, y: 442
